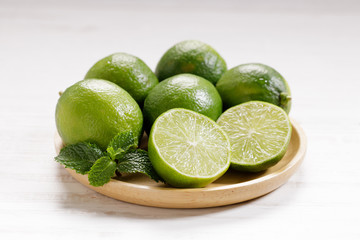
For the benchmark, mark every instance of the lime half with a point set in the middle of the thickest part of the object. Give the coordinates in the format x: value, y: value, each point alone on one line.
x: 188, y: 149
x: 259, y: 135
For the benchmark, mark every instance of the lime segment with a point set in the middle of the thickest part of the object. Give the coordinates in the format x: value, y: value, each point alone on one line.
x: 259, y: 134
x: 188, y: 149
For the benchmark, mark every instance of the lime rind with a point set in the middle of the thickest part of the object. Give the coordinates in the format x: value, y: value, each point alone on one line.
x: 191, y: 56
x: 96, y: 110
x: 254, y: 82
x: 188, y: 149
x: 127, y: 71
x: 259, y: 134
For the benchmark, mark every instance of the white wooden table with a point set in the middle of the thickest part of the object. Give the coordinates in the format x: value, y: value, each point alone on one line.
x: 45, y: 46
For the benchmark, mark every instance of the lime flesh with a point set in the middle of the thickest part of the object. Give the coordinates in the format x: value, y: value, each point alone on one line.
x: 259, y: 135
x: 188, y: 149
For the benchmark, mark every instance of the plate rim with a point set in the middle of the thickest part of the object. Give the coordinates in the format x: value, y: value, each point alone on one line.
x: 288, y: 170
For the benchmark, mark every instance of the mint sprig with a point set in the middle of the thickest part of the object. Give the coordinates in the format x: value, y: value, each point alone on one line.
x: 120, y: 155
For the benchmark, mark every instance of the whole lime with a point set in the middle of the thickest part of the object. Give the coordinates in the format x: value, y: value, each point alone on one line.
x: 95, y: 111
x: 254, y: 81
x: 193, y: 57
x: 127, y: 71
x: 182, y: 91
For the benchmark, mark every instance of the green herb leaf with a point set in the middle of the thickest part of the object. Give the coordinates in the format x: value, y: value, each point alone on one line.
x: 120, y: 144
x: 79, y: 157
x: 137, y: 161
x: 102, y: 171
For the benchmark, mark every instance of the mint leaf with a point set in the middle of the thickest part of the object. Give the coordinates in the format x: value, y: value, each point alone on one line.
x: 121, y: 155
x: 79, y: 157
x: 120, y: 144
x: 137, y: 161
x: 102, y: 171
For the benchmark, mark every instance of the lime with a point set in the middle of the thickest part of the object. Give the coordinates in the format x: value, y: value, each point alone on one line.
x: 182, y: 91
x: 259, y: 134
x: 95, y: 111
x: 127, y: 71
x: 191, y: 57
x: 254, y: 81
x: 188, y: 149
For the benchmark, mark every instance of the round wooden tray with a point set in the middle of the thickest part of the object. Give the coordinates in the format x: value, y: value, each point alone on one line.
x: 232, y: 187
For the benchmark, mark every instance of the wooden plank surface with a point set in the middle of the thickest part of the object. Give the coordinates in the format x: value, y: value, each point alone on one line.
x: 45, y: 46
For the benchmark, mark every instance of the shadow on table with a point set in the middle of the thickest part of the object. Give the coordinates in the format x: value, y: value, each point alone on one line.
x: 79, y: 198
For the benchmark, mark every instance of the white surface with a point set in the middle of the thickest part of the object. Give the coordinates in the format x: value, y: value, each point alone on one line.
x: 45, y: 46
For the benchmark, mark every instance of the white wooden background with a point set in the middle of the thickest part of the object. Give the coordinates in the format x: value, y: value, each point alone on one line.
x: 45, y: 46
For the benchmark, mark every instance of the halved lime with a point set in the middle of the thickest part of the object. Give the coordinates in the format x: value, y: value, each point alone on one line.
x: 188, y: 149
x: 259, y: 135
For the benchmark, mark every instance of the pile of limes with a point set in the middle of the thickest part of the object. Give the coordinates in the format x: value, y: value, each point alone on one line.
x: 192, y: 141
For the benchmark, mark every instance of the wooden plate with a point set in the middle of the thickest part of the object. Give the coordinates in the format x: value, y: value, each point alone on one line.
x: 233, y: 187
